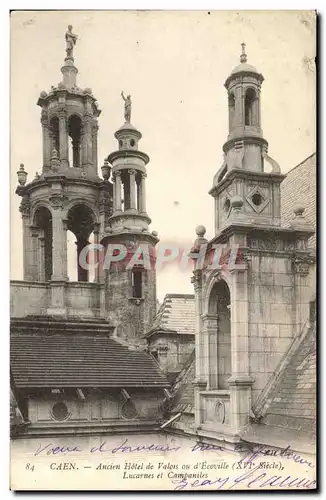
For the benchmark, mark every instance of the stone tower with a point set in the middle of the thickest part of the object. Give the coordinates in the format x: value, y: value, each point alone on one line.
x: 130, y: 281
x: 67, y: 195
x: 248, y: 311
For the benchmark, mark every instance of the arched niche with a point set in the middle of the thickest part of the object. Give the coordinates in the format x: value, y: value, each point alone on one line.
x: 80, y: 222
x: 54, y: 134
x: 251, y: 107
x: 231, y: 99
x: 219, y: 313
x: 74, y: 143
x: 42, y: 223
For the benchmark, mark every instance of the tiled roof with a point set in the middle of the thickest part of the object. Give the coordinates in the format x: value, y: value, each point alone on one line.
x: 290, y: 398
x: 299, y: 188
x: 45, y: 359
x: 176, y: 315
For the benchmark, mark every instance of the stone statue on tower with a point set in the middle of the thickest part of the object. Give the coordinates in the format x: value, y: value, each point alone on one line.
x: 71, y: 39
x: 127, y: 101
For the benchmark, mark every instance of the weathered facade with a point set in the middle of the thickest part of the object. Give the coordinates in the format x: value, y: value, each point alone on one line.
x: 253, y: 315
x: 75, y: 357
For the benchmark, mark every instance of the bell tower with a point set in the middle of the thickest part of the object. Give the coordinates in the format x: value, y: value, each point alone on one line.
x: 68, y: 194
x: 131, y: 281
x: 253, y: 299
x: 244, y: 173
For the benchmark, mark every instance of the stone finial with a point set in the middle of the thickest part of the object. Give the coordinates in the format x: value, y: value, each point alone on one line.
x: 37, y: 176
x: 155, y: 233
x: 200, y: 240
x: 22, y: 175
x: 87, y: 90
x: 43, y: 94
x: 200, y: 231
x: 106, y: 169
x: 243, y: 57
x: 298, y: 211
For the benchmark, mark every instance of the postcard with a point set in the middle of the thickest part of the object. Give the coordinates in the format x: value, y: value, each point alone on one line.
x: 163, y: 250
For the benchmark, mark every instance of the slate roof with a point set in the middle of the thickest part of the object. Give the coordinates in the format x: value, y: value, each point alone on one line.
x: 175, y: 315
x: 183, y: 391
x: 299, y: 188
x: 91, y: 359
x: 290, y: 398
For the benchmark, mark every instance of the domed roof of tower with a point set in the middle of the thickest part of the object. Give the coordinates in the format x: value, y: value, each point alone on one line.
x: 127, y: 126
x: 244, y: 67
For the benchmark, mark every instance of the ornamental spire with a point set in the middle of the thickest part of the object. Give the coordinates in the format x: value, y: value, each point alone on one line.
x: 243, y: 57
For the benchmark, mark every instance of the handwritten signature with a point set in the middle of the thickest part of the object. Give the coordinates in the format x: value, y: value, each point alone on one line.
x: 52, y: 449
x: 251, y: 479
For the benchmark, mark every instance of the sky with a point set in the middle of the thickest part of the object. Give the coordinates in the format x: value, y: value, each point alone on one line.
x: 174, y: 65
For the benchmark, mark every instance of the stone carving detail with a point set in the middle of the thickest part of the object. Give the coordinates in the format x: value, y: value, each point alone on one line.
x: 57, y: 201
x: 271, y: 244
x: 220, y: 411
x: 25, y: 206
x: 301, y: 264
x: 196, y: 280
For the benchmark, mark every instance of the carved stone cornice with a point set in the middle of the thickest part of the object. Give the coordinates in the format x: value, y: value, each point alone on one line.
x: 301, y: 264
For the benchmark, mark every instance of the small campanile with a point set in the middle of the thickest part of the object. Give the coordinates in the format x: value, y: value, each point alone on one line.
x: 249, y: 310
x: 68, y: 195
x: 130, y: 286
x: 247, y: 172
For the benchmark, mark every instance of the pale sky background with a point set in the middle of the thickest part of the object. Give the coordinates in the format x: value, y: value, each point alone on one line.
x: 174, y: 64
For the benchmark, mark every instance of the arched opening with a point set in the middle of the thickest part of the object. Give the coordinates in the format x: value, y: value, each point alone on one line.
x: 80, y: 224
x: 231, y: 110
x: 54, y: 134
x: 74, y: 143
x: 43, y: 243
x: 250, y: 107
x: 220, y: 369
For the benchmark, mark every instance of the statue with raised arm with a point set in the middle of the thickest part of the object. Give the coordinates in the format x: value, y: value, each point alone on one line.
x: 127, y: 101
x: 71, y: 39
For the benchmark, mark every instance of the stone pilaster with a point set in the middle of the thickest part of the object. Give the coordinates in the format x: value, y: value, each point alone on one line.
x: 132, y: 184
x: 63, y: 138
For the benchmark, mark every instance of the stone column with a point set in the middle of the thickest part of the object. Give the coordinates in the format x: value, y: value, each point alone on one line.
x: 35, y: 232
x: 46, y: 141
x: 82, y: 273
x: 117, y: 191
x: 24, y: 209
x: 59, y: 242
x: 63, y: 139
x: 87, y: 142
x: 75, y: 152
x: 240, y: 382
x: 301, y: 263
x: 94, y: 145
x: 132, y: 187
x: 41, y: 258
x: 96, y: 232
x: 200, y: 381
x: 143, y: 193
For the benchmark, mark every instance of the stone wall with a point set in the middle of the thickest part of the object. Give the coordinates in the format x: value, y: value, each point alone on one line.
x: 133, y: 317
x: 173, y: 350
x: 33, y: 298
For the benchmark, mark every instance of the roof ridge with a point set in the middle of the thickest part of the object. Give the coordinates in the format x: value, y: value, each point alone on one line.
x: 303, y: 161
